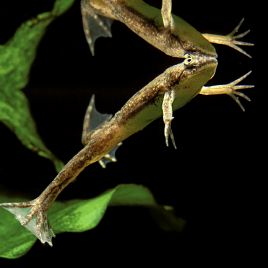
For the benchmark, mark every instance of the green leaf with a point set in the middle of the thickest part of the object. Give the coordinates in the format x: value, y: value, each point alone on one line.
x: 62, y: 6
x: 16, y: 58
x: 81, y: 215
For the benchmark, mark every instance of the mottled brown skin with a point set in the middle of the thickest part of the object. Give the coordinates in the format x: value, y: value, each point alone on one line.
x: 146, y: 21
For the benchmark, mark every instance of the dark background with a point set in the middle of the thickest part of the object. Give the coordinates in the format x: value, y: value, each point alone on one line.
x: 212, y: 180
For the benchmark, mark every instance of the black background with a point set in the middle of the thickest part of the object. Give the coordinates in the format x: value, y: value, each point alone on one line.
x: 212, y: 180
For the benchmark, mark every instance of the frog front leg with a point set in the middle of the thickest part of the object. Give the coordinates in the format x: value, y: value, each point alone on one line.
x: 168, y: 100
x: 231, y: 39
x: 230, y: 89
x: 166, y: 14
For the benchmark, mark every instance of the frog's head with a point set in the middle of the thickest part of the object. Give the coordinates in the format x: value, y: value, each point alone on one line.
x: 198, y: 69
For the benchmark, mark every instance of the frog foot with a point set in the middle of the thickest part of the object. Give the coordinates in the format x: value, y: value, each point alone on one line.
x: 33, y: 217
x: 232, y: 39
x: 231, y: 89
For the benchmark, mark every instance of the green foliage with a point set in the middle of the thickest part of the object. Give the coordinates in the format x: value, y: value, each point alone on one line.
x: 16, y: 58
x: 81, y: 215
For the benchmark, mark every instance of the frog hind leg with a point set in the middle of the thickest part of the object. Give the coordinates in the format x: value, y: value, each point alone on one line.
x: 93, y: 120
x: 94, y: 25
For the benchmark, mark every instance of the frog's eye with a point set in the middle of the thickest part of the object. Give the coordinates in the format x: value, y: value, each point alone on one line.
x: 188, y: 59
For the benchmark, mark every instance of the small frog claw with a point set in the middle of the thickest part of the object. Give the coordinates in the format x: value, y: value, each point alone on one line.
x: 168, y: 133
x: 232, y: 39
x: 33, y: 217
x: 235, y: 94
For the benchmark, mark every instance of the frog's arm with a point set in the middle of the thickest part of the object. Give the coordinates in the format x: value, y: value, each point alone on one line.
x: 167, y: 18
x: 162, y: 29
x: 230, y: 89
x: 231, y: 39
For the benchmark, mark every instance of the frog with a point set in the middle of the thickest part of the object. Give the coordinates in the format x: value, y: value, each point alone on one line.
x: 169, y: 91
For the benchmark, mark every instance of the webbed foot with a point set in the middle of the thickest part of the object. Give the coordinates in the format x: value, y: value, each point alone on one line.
x: 33, y: 217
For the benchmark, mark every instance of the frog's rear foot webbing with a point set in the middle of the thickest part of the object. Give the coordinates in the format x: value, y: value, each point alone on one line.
x: 94, y: 25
